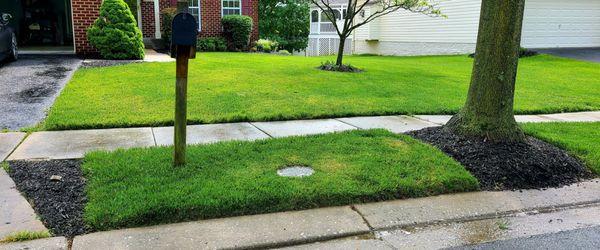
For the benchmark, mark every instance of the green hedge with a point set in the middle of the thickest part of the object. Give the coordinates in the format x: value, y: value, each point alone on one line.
x: 237, y: 29
x: 211, y: 44
x: 115, y: 33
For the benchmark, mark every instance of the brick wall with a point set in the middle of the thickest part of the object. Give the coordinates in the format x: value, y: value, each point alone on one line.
x: 85, y: 13
x: 211, y: 17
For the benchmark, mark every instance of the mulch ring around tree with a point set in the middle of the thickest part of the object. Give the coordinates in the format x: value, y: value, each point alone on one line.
x: 55, y: 189
x: 508, y: 166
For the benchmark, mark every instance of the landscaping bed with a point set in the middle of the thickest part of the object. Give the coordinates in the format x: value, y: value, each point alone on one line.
x: 232, y: 87
x: 139, y: 187
x: 508, y: 165
x: 59, y: 202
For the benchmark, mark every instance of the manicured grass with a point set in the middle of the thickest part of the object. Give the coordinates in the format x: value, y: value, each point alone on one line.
x: 227, y: 87
x: 581, y: 139
x: 140, y: 187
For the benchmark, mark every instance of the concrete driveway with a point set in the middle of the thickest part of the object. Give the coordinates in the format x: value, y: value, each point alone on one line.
x: 585, y: 54
x: 29, y: 86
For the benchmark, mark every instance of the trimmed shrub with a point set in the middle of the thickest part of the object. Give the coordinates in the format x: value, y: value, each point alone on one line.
x: 211, y: 44
x: 167, y: 16
x: 237, y: 29
x: 115, y: 33
x: 267, y: 46
x: 284, y: 52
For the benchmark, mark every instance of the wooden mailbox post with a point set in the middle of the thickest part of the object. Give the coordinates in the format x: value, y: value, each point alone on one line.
x: 183, y: 48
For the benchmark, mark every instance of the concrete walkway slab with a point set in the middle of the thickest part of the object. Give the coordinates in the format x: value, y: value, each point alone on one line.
x: 401, y: 213
x: 75, y: 143
x: 481, y: 231
x: 576, y: 117
x: 210, y: 133
x: 153, y: 56
x: 395, y: 124
x: 302, y: 127
x: 437, y: 119
x: 8, y: 142
x: 257, y: 231
x: 533, y: 118
x: 56, y: 243
x: 15, y: 212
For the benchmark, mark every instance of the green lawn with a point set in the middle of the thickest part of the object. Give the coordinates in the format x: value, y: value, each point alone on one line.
x: 581, y: 139
x: 227, y: 87
x: 140, y: 187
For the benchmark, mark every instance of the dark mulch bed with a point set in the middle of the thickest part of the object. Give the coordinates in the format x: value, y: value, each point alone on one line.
x: 59, y: 203
x: 500, y: 166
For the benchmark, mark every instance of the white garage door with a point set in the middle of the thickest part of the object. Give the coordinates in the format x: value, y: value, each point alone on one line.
x: 561, y: 23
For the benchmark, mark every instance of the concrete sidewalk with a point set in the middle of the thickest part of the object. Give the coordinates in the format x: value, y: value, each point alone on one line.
x: 75, y: 143
x: 423, y: 223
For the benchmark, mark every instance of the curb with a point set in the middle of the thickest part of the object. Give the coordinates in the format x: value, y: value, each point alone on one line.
x: 309, y: 226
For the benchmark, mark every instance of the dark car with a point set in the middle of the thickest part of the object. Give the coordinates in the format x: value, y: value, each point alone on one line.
x: 8, y: 40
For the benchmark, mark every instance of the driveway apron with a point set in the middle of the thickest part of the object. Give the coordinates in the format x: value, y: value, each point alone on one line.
x: 29, y: 86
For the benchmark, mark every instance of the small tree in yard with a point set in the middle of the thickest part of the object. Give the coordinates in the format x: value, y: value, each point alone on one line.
x: 379, y: 8
x: 115, y: 33
x: 488, y: 111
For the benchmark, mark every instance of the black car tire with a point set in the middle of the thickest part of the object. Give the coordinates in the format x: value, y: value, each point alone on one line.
x: 13, y: 54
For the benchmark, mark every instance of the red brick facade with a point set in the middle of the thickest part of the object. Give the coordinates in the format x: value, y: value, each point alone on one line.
x: 86, y: 11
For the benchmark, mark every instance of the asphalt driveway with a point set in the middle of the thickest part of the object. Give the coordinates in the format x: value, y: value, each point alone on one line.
x: 585, y: 54
x: 29, y: 86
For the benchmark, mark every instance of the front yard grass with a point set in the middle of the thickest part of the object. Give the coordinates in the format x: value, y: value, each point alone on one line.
x: 140, y: 187
x: 229, y: 87
x: 581, y: 139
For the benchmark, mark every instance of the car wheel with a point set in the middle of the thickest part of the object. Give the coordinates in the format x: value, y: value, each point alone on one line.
x: 14, y: 51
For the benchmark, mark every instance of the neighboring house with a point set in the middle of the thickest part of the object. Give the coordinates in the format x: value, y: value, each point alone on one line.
x: 61, y: 25
x: 547, y: 24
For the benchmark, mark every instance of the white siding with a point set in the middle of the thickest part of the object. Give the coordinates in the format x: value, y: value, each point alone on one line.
x: 547, y: 23
x: 560, y: 23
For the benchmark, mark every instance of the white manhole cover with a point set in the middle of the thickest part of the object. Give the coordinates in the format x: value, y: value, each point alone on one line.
x: 295, y: 171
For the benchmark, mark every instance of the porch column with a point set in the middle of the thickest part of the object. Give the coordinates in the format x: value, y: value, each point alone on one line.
x: 139, y: 14
x: 156, y: 19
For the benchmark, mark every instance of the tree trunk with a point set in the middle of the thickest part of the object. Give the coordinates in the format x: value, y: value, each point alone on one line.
x: 488, y: 111
x: 340, y: 55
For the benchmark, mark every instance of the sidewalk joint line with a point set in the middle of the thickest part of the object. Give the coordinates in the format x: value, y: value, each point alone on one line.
x: 15, y: 148
x: 420, y: 119
x: 252, y: 123
x: 371, y: 228
x: 338, y: 119
x: 154, y: 136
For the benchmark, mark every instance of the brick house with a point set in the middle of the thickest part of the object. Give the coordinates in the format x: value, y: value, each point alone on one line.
x: 61, y: 24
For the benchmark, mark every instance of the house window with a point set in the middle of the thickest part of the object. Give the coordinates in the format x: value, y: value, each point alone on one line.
x: 336, y: 14
x: 231, y: 7
x: 314, y: 16
x: 194, y: 10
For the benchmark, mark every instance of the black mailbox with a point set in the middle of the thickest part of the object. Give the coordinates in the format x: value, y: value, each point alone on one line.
x: 184, y: 32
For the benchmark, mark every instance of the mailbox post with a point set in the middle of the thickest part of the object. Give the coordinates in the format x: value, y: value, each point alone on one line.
x: 183, y: 48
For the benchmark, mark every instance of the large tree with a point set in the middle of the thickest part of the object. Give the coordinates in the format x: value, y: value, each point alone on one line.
x: 378, y: 8
x: 488, y: 111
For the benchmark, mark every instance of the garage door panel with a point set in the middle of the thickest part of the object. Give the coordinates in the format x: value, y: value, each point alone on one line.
x: 554, y: 23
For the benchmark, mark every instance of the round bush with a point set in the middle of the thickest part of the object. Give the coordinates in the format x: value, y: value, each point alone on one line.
x: 237, y: 29
x: 115, y: 33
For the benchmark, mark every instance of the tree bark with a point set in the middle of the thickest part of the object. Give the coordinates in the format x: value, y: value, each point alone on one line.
x: 340, y: 55
x: 488, y: 111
